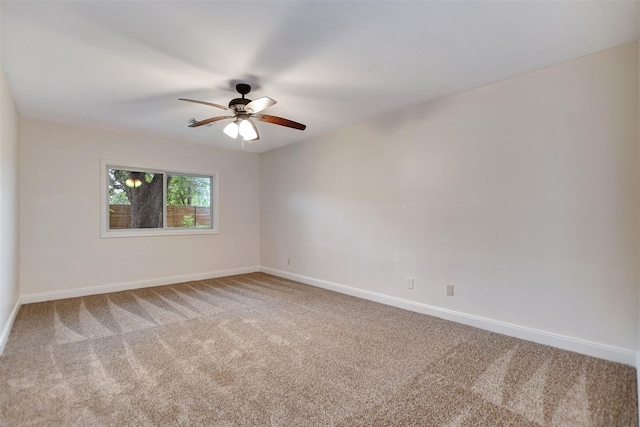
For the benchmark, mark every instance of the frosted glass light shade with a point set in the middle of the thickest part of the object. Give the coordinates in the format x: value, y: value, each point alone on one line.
x: 247, y: 130
x: 231, y: 129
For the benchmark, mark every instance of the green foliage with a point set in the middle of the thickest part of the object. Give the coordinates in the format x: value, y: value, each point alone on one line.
x: 184, y: 190
x: 188, y: 221
x: 117, y: 188
x: 118, y: 198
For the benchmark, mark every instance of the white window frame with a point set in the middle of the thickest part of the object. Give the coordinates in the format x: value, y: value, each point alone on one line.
x: 105, y: 232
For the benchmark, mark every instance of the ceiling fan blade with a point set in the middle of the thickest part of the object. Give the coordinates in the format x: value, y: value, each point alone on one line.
x: 259, y: 104
x: 205, y: 103
x: 207, y: 121
x: 279, y: 121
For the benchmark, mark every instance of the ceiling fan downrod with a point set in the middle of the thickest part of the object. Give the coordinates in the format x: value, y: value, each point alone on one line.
x: 242, y: 89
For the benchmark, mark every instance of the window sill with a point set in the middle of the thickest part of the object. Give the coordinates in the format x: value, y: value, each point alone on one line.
x: 153, y: 233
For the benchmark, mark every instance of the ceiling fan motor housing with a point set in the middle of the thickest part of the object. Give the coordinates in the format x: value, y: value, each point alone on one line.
x: 238, y: 101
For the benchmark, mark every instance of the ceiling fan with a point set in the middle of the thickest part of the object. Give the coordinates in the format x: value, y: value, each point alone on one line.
x: 244, y: 110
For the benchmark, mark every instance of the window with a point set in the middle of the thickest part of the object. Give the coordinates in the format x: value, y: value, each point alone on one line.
x: 149, y: 202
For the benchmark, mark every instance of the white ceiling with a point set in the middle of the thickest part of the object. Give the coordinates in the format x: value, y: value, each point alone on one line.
x: 122, y: 65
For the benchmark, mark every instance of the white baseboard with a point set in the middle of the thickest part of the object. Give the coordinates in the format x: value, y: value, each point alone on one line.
x: 4, y: 336
x: 117, y: 287
x: 588, y: 348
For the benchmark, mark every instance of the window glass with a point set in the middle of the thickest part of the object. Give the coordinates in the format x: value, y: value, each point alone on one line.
x: 188, y: 201
x: 135, y: 199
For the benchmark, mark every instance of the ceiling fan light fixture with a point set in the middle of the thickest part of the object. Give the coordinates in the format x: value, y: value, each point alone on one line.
x: 248, y: 130
x: 231, y: 129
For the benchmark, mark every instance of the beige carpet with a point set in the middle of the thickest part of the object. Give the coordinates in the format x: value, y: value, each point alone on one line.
x: 257, y: 350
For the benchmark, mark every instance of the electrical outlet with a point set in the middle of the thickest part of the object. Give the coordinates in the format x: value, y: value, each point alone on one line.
x: 409, y: 282
x: 288, y: 261
x: 450, y: 289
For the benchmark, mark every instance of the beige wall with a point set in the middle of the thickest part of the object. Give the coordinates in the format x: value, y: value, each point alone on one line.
x: 9, y: 239
x: 61, y: 248
x: 524, y: 194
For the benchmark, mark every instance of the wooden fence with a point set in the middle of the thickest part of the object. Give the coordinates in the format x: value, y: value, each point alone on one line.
x: 177, y: 216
